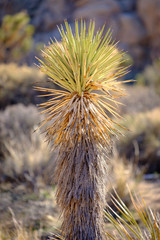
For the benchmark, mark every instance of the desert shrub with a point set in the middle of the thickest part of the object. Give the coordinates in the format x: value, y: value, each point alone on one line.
x: 142, y: 142
x: 122, y: 176
x: 139, y: 99
x: 15, y: 37
x: 24, y: 153
x: 150, y: 76
x: 16, y: 84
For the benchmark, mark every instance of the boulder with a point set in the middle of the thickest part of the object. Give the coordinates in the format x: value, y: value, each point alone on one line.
x: 149, y: 12
x: 131, y: 29
x: 14, y: 6
x: 49, y: 14
x: 97, y: 8
x: 127, y: 5
x: 44, y: 14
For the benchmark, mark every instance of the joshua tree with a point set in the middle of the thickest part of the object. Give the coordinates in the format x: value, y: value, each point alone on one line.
x: 79, y: 124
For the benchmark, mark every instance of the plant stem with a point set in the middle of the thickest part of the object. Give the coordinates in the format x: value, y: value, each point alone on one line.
x: 81, y: 181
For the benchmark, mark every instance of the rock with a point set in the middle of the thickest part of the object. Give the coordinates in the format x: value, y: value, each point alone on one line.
x: 131, y: 30
x: 97, y: 8
x: 127, y: 5
x: 49, y: 14
x: 44, y: 14
x: 101, y: 11
x: 138, y: 54
x: 14, y: 6
x: 149, y: 12
x: 80, y: 3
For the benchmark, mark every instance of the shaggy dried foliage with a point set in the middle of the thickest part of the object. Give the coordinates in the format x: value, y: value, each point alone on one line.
x: 86, y: 67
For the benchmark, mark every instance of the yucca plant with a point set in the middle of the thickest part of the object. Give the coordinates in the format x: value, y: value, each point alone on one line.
x: 86, y: 67
x: 127, y: 225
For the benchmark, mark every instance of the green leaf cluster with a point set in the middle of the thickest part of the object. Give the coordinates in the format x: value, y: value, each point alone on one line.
x: 127, y: 225
x: 82, y: 60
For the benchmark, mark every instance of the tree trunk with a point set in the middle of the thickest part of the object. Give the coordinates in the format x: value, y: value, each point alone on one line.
x: 81, y: 173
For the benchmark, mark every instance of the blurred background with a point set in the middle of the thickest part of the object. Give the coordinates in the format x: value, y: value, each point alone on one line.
x: 27, y: 192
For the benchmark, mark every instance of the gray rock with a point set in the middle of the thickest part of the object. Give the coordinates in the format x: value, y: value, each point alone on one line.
x: 149, y: 12
x: 49, y: 14
x: 45, y: 14
x: 14, y: 6
x: 131, y: 29
x: 97, y: 8
x: 127, y: 5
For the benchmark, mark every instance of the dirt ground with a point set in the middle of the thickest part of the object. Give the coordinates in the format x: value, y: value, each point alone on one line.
x: 33, y: 210
x: 40, y: 211
x: 150, y: 191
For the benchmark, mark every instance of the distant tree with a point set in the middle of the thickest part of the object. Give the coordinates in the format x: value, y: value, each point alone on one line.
x: 79, y: 123
x: 15, y: 37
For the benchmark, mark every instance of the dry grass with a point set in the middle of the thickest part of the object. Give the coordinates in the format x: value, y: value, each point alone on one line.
x: 35, y: 210
x: 150, y: 76
x: 24, y: 153
x: 123, y: 173
x: 16, y: 84
x: 141, y: 143
x: 19, y: 232
x: 139, y: 99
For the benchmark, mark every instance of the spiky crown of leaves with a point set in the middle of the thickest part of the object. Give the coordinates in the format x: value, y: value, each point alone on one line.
x: 86, y: 68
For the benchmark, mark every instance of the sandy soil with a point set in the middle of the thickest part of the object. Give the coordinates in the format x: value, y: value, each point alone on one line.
x: 40, y: 211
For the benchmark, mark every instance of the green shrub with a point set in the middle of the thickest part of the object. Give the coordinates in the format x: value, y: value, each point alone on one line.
x: 15, y: 37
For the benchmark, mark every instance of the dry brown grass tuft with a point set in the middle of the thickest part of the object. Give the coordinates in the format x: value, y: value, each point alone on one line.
x: 24, y: 153
x: 16, y: 84
x: 19, y: 232
x: 141, y: 143
x: 123, y: 174
x: 139, y: 99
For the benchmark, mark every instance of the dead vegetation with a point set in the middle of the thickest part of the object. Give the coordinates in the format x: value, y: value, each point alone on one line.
x: 141, y: 144
x: 24, y: 152
x: 16, y: 84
